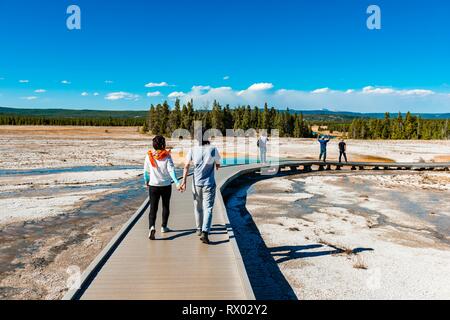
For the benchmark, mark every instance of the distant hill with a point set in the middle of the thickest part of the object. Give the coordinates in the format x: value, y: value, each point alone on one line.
x: 72, y: 114
x: 347, y: 115
x: 312, y: 115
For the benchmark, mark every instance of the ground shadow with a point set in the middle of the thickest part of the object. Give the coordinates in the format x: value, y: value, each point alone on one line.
x: 179, y: 234
x: 266, y: 279
x: 216, y: 243
x: 215, y: 230
x: 286, y: 253
x: 261, y: 262
x: 218, y: 229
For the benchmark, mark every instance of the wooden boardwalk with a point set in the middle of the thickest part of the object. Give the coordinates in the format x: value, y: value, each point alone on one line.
x: 177, y: 266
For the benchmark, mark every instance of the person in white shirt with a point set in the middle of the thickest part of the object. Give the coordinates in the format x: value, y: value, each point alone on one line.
x: 262, y: 145
x: 159, y: 171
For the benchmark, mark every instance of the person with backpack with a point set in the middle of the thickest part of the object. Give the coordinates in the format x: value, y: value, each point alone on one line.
x: 262, y: 146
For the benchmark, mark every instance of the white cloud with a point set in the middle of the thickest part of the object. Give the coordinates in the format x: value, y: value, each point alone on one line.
x: 40, y: 91
x: 154, y: 94
x: 84, y: 94
x: 24, y: 81
x: 176, y: 94
x: 368, y: 99
x: 201, y: 88
x: 226, y: 78
x: 260, y: 86
x: 109, y: 81
x: 418, y: 92
x: 255, y: 88
x: 155, y: 84
x: 65, y: 82
x: 321, y: 90
x: 374, y: 90
x: 381, y: 90
x: 29, y: 98
x: 96, y: 94
x: 121, y: 95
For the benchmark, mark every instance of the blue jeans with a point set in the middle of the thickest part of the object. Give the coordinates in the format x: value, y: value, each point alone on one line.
x: 323, y: 153
x: 204, y: 197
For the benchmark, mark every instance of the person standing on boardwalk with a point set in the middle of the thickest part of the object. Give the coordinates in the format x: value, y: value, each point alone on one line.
x: 206, y: 159
x: 342, y: 150
x: 159, y: 171
x: 323, y: 147
x: 262, y: 146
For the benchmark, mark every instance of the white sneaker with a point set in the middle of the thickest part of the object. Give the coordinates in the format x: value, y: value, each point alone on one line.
x: 165, y: 229
x: 151, y: 234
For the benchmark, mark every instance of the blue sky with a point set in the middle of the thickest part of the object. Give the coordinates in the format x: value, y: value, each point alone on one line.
x: 301, y: 54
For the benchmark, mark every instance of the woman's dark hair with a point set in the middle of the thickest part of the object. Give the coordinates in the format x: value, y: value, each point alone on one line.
x: 159, y: 143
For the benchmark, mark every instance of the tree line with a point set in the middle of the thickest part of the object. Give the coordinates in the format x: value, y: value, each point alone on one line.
x: 163, y: 120
x: 19, y: 120
x: 399, y: 128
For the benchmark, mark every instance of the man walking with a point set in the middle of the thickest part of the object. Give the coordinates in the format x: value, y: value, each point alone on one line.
x: 262, y: 145
x: 323, y: 147
x: 206, y: 159
x: 342, y: 150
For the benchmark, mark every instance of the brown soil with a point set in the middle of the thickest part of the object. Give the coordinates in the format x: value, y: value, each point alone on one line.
x: 72, y: 132
x: 40, y: 273
x: 443, y: 158
x: 368, y: 158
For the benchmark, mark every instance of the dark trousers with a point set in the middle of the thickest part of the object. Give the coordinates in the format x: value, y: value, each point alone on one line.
x: 155, y: 194
x: 342, y: 153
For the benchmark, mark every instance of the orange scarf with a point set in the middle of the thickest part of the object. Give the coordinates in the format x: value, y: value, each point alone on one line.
x: 158, y: 155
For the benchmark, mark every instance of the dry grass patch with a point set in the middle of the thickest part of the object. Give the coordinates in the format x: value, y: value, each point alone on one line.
x: 360, y: 263
x: 338, y: 247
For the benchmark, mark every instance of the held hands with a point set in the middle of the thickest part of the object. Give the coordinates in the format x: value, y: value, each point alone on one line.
x: 182, y: 186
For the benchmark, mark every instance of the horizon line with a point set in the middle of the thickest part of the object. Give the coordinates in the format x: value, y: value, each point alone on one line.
x: 233, y: 107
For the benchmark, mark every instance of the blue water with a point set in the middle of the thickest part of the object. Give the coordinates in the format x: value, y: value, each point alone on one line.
x: 40, y: 171
x: 241, y: 160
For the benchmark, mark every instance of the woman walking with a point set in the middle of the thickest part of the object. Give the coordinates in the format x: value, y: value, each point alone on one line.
x: 159, y: 171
